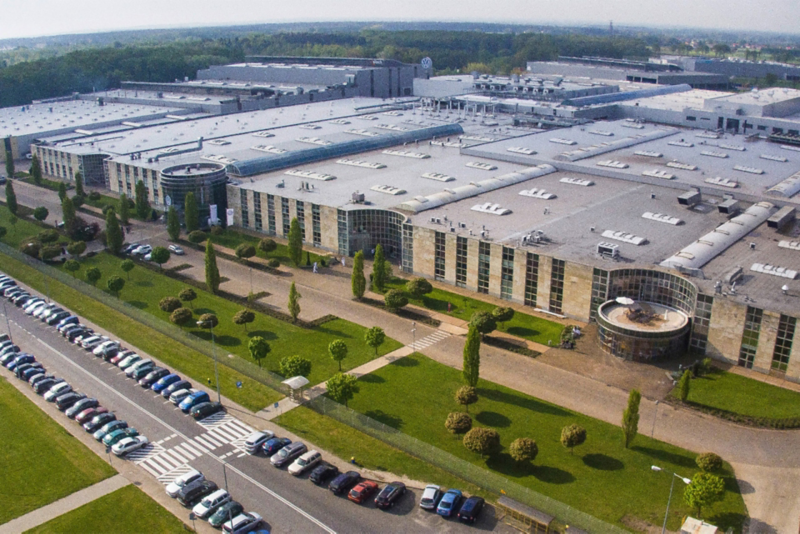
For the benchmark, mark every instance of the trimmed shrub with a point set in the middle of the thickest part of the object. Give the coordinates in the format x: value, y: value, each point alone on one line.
x: 458, y: 423
x: 709, y: 462
x: 273, y: 263
x: 197, y: 236
x: 169, y: 304
x: 217, y: 230
x: 523, y: 450
x: 484, y: 441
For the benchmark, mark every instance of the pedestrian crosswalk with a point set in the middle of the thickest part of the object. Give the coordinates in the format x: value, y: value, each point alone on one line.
x: 427, y: 341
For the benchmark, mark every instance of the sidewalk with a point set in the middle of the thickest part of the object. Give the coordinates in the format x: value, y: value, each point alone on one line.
x: 62, y: 506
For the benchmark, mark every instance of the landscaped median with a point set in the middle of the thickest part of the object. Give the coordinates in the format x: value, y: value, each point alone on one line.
x: 42, y: 462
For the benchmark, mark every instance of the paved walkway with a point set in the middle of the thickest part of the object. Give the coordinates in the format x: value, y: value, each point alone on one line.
x: 62, y: 506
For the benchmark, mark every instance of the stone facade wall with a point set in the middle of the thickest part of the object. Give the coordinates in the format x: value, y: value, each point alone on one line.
x: 725, y: 330
x: 577, y: 290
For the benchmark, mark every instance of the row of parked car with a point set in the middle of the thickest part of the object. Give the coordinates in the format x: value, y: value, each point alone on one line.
x: 211, y: 503
x: 144, y: 251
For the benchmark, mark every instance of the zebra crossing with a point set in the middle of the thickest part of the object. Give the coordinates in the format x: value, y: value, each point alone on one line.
x: 167, y: 459
x: 427, y: 341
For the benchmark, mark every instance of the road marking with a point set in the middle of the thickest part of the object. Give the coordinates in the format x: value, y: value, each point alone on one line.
x: 192, y: 449
x: 206, y: 444
x: 179, y: 456
x: 243, y: 454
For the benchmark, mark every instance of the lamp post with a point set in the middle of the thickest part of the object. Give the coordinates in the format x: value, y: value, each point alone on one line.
x: 225, y: 474
x: 686, y: 481
x: 202, y: 324
x: 413, y: 333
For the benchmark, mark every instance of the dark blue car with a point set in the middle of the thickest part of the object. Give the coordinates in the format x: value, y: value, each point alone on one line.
x: 449, y: 503
x: 165, y: 381
x: 193, y: 400
x: 19, y: 360
x: 271, y: 446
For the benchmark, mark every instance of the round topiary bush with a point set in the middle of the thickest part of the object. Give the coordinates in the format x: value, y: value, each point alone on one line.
x: 48, y: 236
x: 197, y: 236
x: 484, y: 441
x: 169, y: 304
x: 273, y: 263
x: 217, y: 230
x: 458, y: 423
x: 709, y: 462
x: 31, y: 248
x: 523, y: 450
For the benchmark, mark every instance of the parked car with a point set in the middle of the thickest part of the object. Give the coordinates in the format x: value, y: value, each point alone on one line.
x: 48, y: 313
x: 273, y: 445
x: 210, y: 503
x: 68, y: 399
x: 191, y: 493
x: 99, y: 420
x: 305, y: 462
x: 128, y: 445
x: 187, y: 478
x: 165, y: 381
x: 109, y: 427
x: 81, y: 405
x: 205, y: 409
x: 127, y: 361
x: 112, y: 438
x: 450, y: 503
x: 225, y: 514
x: 430, y: 497
x: 389, y: 495
x: 344, y: 482
x: 179, y: 396
x: 242, y: 523
x: 471, y: 509
x: 78, y: 333
x: 100, y: 349
x: 56, y: 390
x: 323, y: 473
x: 69, y: 320
x: 288, y: 454
x: 142, y: 250
x: 140, y: 371
x: 175, y: 249
x: 255, y: 441
x: 121, y: 357
x: 21, y: 369
x: 92, y: 341
x: 176, y: 386
x: 65, y: 331
x: 361, y: 492
x: 54, y: 318
x: 89, y: 413
x: 155, y: 374
x: 43, y: 386
x: 140, y: 364
x: 193, y: 400
x: 8, y: 354
x: 35, y: 379
x: 130, y: 248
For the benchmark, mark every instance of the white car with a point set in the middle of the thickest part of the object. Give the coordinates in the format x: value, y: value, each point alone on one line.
x: 305, y: 462
x: 254, y: 441
x: 39, y: 311
x: 132, y: 368
x: 175, y: 249
x: 93, y: 341
x: 31, y: 307
x: 181, y: 394
x: 142, y: 250
x: 57, y: 390
x: 210, y: 503
x: 241, y: 523
x: 430, y: 497
x: 126, y: 445
x: 187, y: 478
x: 101, y: 348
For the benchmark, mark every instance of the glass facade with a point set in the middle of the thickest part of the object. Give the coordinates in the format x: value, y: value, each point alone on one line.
x: 408, y: 248
x: 342, y: 232
x: 599, y: 291
x: 640, y: 346
x: 531, y: 278
x: 461, y: 261
x: 752, y: 329
x: 257, y: 210
x: 301, y: 217
x: 653, y: 286
x: 245, y: 212
x: 438, y: 256
x: 285, y: 216
x: 507, y: 274
x: 367, y: 228
x: 783, y: 343
x: 484, y: 265
x: 316, y: 226
x: 702, y: 320
x: 271, y: 215
x: 557, y: 285
x: 206, y: 180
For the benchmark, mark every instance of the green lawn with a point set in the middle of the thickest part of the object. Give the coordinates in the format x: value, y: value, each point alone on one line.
x: 232, y: 239
x: 522, y: 325
x: 125, y: 511
x: 146, y: 288
x: 199, y: 367
x: 52, y: 185
x: 415, y: 394
x: 738, y: 394
x: 18, y: 232
x: 42, y: 462
x: 370, y: 453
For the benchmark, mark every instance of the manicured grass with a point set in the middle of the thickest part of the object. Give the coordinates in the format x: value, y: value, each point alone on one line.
x: 232, y: 239
x: 198, y: 367
x: 42, y: 462
x: 18, y: 232
x: 522, y: 325
x: 52, y: 185
x: 125, y: 511
x: 146, y: 288
x: 370, y: 453
x: 738, y: 394
x: 415, y: 394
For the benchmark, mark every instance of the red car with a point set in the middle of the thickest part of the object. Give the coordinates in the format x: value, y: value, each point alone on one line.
x: 362, y: 491
x: 88, y: 413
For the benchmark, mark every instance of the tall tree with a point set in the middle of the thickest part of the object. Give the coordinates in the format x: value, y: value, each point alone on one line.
x: 259, y: 348
x: 295, y: 242
x: 294, y: 302
x: 11, y: 197
x: 379, y: 270
x: 173, y: 224
x: 115, y: 285
x: 62, y: 191
x: 113, y: 232
x: 338, y: 351
x: 357, y: 279
x: 704, y: 490
x: 36, y: 172
x: 191, y: 213
x: 212, y: 271
x: 9, y: 164
x: 142, y: 204
x: 124, y: 209
x: 375, y: 337
x: 79, y: 185
x: 472, y: 357
x: 68, y: 212
x: 630, y: 418
x: 342, y: 387
x: 684, y: 385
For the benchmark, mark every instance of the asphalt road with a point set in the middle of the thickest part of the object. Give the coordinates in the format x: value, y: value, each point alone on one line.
x: 287, y: 503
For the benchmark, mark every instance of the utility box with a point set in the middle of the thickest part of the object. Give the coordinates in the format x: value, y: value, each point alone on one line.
x: 782, y: 217
x: 690, y: 198
x: 729, y: 207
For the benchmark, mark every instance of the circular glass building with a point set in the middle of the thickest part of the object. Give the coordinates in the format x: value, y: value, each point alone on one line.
x: 206, y: 180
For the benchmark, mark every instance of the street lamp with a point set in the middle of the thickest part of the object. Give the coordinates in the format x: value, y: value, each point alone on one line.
x: 686, y: 481
x: 414, y: 334
x: 225, y: 474
x: 202, y: 324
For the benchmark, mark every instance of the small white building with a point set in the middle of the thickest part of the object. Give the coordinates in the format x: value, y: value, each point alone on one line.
x: 697, y: 526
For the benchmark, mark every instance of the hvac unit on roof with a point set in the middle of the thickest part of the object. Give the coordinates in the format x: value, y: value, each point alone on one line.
x: 608, y: 249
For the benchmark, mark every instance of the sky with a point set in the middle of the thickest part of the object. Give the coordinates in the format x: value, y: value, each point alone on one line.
x: 33, y: 18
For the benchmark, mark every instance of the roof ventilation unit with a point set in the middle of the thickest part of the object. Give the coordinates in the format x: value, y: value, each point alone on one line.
x: 660, y: 217
x: 439, y: 177
x: 521, y: 150
x: 481, y: 165
x: 751, y: 170
x: 791, y: 245
x: 783, y: 217
x: 493, y: 209
x: 562, y: 141
x: 625, y: 237
x: 388, y: 189
x: 609, y: 250
x: 724, y: 182
x: 791, y: 274
x: 680, y: 143
x: 537, y: 193
x: 711, y: 153
x: 614, y: 164
x: 656, y: 173
x: 690, y: 198
x: 729, y: 207
x: 682, y: 166
x: 774, y: 158
x: 648, y: 154
x: 357, y: 198
x: 576, y: 181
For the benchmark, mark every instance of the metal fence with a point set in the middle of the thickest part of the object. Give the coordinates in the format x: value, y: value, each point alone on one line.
x: 323, y: 405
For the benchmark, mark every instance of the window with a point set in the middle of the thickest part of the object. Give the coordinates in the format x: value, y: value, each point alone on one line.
x: 783, y: 343
x: 301, y: 218
x: 531, y: 278
x: 257, y: 210
x: 557, y: 286
x: 438, y: 256
x: 316, y: 225
x: 271, y: 214
x: 245, y: 213
x: 285, y: 216
x: 484, y: 265
x: 342, y: 232
x: 370, y: 227
x: 599, y: 291
x: 761, y: 127
x: 507, y: 274
x: 690, y: 118
x: 408, y: 248
x: 752, y: 328
x: 702, y: 318
x: 461, y: 261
